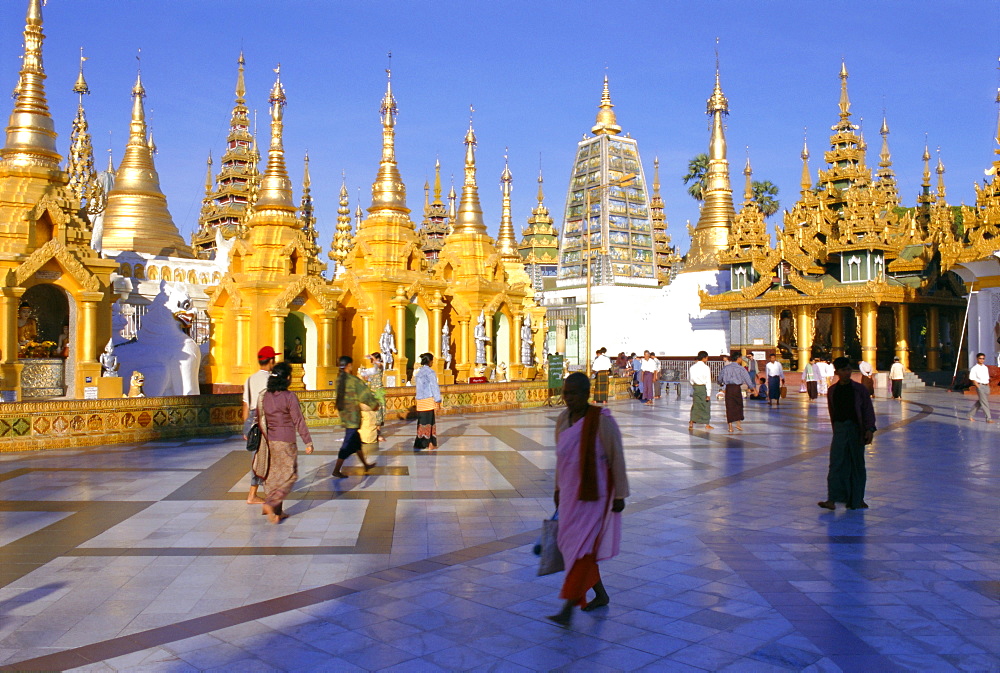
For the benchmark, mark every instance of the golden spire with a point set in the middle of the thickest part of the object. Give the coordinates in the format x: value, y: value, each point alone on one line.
x: 806, y: 183
x: 307, y: 212
x: 31, y: 136
x: 427, y: 196
x: 208, y: 175
x: 275, y: 186
x: 81, y: 153
x: 748, y: 189
x: 452, y: 199
x: 437, y: 181
x: 711, y: 235
x: 469, y: 219
x: 137, y: 218
x: 241, y: 87
x: 606, y: 121
x: 927, y: 168
x: 342, y: 237
x: 506, y: 238
x: 845, y: 101
x: 997, y: 137
x: 885, y: 159
x: 656, y: 176
x: 541, y: 193
x: 388, y: 190
x: 940, y: 178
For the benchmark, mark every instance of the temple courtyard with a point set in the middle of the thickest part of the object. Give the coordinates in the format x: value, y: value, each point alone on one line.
x: 147, y: 557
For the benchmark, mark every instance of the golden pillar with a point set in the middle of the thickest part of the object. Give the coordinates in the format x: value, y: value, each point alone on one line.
x: 933, y: 338
x: 837, y: 332
x: 278, y: 316
x: 869, y: 313
x: 490, y: 346
x: 804, y: 318
x: 436, y: 305
x: 366, y: 334
x: 244, y: 349
x: 398, y: 304
x: 326, y: 364
x: 87, y: 365
x: 10, y: 369
x: 903, y: 334
x: 516, y: 366
x: 463, y: 366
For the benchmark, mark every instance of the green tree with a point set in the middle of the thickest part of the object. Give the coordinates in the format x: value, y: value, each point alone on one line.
x: 695, y: 177
x: 765, y: 194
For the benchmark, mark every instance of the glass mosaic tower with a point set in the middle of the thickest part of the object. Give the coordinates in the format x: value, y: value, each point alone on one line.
x: 607, y: 216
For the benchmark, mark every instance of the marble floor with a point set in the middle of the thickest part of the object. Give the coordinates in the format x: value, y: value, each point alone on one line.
x: 146, y: 557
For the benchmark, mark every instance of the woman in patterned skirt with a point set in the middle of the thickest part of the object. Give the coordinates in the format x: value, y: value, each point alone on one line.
x: 372, y: 420
x: 428, y: 401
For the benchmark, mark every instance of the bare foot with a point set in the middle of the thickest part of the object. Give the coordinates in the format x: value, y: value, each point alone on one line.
x: 739, y: 427
x: 272, y: 515
x: 256, y: 500
x: 337, y: 474
x: 827, y: 504
x: 561, y: 619
x: 709, y: 427
x: 691, y: 426
x: 863, y: 505
x: 368, y: 466
x: 599, y: 602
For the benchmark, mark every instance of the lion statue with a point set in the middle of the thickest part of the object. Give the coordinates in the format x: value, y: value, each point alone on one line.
x: 163, y: 351
x: 135, y: 385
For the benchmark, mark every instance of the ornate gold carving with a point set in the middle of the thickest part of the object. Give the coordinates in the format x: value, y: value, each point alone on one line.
x: 53, y: 249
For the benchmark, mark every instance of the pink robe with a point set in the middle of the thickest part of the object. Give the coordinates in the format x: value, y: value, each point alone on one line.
x: 581, y: 523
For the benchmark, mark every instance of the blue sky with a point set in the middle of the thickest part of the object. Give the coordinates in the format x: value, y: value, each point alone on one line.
x: 533, y: 70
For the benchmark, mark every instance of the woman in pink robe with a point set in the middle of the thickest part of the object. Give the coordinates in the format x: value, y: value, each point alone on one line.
x: 591, y: 487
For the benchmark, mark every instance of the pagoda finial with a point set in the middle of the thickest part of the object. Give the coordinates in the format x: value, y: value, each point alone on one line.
x: 748, y: 172
x: 82, y: 174
x: 469, y: 218
x: 541, y: 192
x: 506, y: 238
x: 31, y: 136
x: 885, y: 159
x: 656, y: 175
x: 241, y: 87
x: 806, y: 182
x: 718, y: 102
x: 208, y: 175
x: 452, y: 208
x: 927, y: 167
x: 437, y: 181
x: 940, y: 178
x: 845, y: 101
x: 275, y: 187
x: 342, y: 237
x: 997, y: 137
x: 388, y: 190
x: 607, y: 123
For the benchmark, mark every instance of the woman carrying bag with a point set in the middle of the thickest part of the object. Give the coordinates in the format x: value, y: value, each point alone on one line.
x: 351, y: 394
x: 277, y: 460
x: 372, y: 420
x: 428, y: 401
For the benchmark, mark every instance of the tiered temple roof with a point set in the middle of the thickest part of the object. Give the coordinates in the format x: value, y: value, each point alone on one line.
x: 435, y: 225
x: 540, y: 242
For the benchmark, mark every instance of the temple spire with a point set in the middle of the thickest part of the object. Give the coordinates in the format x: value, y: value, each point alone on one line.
x: 342, y: 237
x: 606, y: 121
x: 748, y: 188
x: 80, y: 168
x: 307, y: 210
x: 940, y: 178
x: 926, y: 184
x: 717, y: 212
x: 806, y: 182
x: 388, y: 190
x: 506, y: 238
x: 845, y: 101
x: 885, y: 159
x: 208, y: 175
x: 31, y: 136
x: 275, y: 186
x: 469, y: 219
x: 437, y: 181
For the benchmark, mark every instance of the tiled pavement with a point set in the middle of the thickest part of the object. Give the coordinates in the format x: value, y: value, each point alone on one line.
x: 146, y: 557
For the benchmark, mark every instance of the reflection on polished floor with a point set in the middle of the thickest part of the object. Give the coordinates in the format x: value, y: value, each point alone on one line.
x: 147, y: 557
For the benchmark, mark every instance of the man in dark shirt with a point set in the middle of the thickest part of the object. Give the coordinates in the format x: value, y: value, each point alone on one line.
x: 853, y: 417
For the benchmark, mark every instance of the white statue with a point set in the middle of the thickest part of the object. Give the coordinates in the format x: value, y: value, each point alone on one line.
x: 109, y: 361
x: 97, y: 203
x: 163, y: 351
x: 446, y: 345
x: 527, y: 346
x: 222, y: 248
x: 481, y: 339
x: 545, y: 351
x: 387, y: 345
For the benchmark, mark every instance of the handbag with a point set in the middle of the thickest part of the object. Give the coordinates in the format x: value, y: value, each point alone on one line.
x: 784, y: 392
x: 551, y: 560
x: 253, y: 437
x: 261, y: 463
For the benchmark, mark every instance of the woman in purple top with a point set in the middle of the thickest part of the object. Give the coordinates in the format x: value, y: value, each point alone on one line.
x: 277, y: 459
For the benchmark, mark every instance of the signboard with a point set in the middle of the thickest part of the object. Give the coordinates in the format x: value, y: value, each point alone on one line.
x: 90, y: 392
x: 556, y: 364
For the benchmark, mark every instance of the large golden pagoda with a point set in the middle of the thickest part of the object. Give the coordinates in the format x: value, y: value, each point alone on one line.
x: 51, y: 275
x: 136, y: 218
x: 273, y: 290
x: 850, y: 272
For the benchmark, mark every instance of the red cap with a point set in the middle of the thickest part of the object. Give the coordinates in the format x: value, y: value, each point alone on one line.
x: 266, y: 353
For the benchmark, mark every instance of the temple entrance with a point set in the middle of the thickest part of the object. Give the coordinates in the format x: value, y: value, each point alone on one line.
x: 301, y: 349
x: 885, y: 338
x: 501, y: 344
x: 417, y: 339
x: 45, y: 321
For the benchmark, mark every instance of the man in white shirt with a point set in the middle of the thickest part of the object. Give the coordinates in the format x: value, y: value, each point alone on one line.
x: 601, y: 368
x: 775, y: 379
x: 896, y: 373
x: 256, y: 384
x: 700, y: 378
x: 650, y: 373
x: 980, y: 377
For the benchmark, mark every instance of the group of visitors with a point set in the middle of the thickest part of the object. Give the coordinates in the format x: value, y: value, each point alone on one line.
x: 360, y: 402
x: 645, y: 373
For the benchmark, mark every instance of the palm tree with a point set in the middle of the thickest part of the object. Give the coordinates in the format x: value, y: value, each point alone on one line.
x: 697, y: 168
x: 764, y: 193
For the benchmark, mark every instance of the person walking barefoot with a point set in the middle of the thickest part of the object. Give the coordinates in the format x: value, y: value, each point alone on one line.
x: 591, y: 487
x: 351, y: 394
